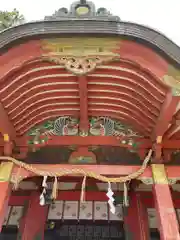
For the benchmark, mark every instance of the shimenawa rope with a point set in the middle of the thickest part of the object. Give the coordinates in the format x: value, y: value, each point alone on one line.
x: 63, y: 171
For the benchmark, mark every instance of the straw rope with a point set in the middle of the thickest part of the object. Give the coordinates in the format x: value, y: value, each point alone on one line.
x: 63, y: 171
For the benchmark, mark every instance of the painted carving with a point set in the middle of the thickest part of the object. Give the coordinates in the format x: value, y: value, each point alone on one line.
x: 146, y: 181
x: 104, y: 126
x: 81, y: 65
x: 172, y: 79
x: 69, y: 126
x: 82, y: 160
x: 80, y: 56
x: 63, y: 126
x: 5, y: 171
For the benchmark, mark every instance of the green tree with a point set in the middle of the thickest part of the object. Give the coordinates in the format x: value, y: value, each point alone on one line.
x: 10, y: 19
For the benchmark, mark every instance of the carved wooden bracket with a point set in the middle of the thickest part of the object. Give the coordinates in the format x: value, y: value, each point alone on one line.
x: 80, y: 55
x: 81, y: 65
x: 172, y: 79
x: 149, y: 181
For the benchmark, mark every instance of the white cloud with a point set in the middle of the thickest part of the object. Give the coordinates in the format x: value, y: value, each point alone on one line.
x: 162, y: 15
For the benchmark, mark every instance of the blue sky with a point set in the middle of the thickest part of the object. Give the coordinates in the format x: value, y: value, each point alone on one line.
x: 163, y: 15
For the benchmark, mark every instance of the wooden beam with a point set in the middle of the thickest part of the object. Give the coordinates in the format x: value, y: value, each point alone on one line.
x: 168, y: 109
x: 83, y: 95
x: 136, y: 212
x: 5, y: 186
x: 83, y: 141
x: 32, y: 224
x: 166, y: 215
x: 19, y: 197
x: 6, y: 127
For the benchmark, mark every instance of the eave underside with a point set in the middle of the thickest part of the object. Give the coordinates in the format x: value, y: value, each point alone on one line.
x: 125, y: 91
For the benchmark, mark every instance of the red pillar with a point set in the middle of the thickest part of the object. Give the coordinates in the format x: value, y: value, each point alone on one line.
x: 32, y: 224
x: 166, y: 215
x: 136, y: 219
x: 5, y: 189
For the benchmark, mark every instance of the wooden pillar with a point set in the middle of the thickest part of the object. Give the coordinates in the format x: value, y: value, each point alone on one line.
x: 166, y: 215
x: 32, y: 224
x: 5, y: 189
x: 136, y: 219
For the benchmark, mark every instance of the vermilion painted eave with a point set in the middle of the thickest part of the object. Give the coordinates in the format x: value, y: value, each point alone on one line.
x: 29, y: 76
x: 10, y: 99
x: 121, y: 110
x: 166, y: 115
x: 44, y: 99
x: 18, y: 56
x: 144, y: 56
x: 13, y: 59
x: 52, y: 113
x: 93, y: 104
x: 40, y: 88
x: 134, y: 80
x: 127, y: 49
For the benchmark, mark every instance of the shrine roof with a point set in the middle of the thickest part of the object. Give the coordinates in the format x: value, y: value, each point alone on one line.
x: 98, y: 22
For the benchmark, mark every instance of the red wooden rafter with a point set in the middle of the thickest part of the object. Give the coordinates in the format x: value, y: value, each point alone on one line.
x: 166, y: 115
x: 121, y: 102
x: 83, y: 94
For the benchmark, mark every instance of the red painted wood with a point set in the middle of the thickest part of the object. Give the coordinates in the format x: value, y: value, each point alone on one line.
x: 166, y: 114
x: 144, y: 56
x: 130, y: 78
x: 137, y: 218
x: 85, y: 141
x: 166, y: 215
x: 145, y: 143
x: 33, y: 222
x: 96, y: 90
x: 4, y: 199
x: 12, y: 59
x: 83, y: 94
x: 146, y: 197
x: 126, y: 101
x: 6, y: 127
x: 16, y: 200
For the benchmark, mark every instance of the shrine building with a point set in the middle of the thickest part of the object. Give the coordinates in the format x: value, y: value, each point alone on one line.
x: 89, y: 129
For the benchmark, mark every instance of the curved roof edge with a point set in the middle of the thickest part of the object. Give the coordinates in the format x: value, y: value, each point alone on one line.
x: 43, y: 29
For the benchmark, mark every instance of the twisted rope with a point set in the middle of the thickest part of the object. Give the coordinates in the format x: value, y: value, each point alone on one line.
x: 83, y: 172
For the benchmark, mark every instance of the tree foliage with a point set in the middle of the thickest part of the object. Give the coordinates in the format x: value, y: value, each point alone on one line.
x: 10, y: 19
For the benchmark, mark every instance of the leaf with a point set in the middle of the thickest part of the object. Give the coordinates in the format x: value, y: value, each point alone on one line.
x: 10, y: 19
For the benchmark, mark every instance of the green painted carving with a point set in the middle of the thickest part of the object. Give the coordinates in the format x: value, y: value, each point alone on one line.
x: 172, y: 79
x: 82, y: 160
x: 99, y: 126
x: 104, y: 126
x: 63, y: 126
